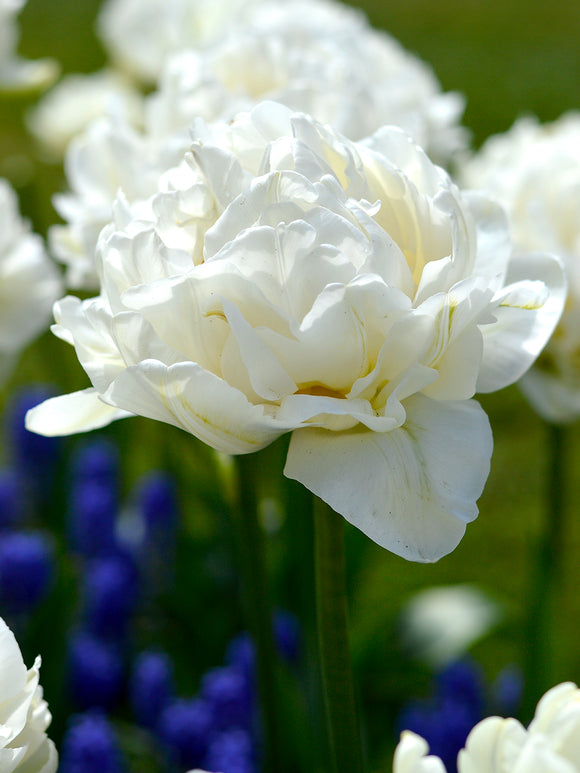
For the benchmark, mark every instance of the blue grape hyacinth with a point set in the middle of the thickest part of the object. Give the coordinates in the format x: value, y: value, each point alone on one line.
x: 27, y: 570
x: 461, y: 698
x: 90, y: 746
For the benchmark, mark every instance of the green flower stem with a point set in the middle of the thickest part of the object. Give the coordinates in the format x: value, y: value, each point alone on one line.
x: 331, y: 602
x: 547, y: 575
x: 257, y: 607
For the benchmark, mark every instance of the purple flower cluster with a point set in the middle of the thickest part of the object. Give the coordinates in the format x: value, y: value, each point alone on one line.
x: 460, y: 699
x: 218, y: 729
x: 120, y: 553
x: 27, y: 554
x: 90, y: 746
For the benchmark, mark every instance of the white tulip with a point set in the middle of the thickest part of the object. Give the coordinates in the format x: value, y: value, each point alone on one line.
x: 534, y: 171
x: 439, y: 624
x: 29, y: 282
x: 77, y: 100
x: 140, y: 34
x: 24, y: 715
x: 551, y: 744
x: 286, y: 279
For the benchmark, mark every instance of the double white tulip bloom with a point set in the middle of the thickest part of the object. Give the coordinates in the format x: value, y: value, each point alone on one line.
x: 285, y: 279
x: 24, y: 715
x: 495, y: 745
x: 534, y: 171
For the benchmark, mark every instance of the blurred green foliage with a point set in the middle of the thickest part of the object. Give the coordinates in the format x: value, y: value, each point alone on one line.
x: 508, y: 57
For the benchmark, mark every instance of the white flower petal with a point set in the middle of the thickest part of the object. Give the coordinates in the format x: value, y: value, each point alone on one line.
x: 190, y: 397
x: 24, y: 715
x: 411, y: 756
x: 332, y: 412
x: 29, y: 281
x: 493, y: 746
x: 88, y: 325
x: 266, y: 374
x: 525, y: 320
x: 554, y: 399
x: 494, y: 245
x: 44, y: 760
x: 411, y: 490
x: 69, y: 414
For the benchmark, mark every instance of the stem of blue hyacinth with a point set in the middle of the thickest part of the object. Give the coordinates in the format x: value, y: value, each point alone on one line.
x: 257, y: 607
x: 547, y: 574
x: 332, y: 622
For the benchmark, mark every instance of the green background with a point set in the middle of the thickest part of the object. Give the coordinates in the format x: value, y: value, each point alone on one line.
x: 508, y: 57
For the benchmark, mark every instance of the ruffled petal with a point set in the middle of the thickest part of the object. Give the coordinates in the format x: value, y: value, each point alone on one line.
x: 197, y: 401
x: 411, y: 490
x: 493, y: 746
x: 411, y: 756
x: 529, y: 310
x: 87, y: 325
x: 69, y: 414
x: 44, y: 760
x: 333, y: 413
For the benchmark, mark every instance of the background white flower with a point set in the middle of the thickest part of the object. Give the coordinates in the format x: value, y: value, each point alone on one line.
x: 29, y: 282
x: 111, y: 156
x: 321, y: 59
x: 24, y: 715
x: 140, y: 34
x: 286, y: 279
x: 439, y: 624
x: 77, y: 100
x: 17, y: 74
x: 318, y: 57
x: 496, y: 745
x: 534, y: 171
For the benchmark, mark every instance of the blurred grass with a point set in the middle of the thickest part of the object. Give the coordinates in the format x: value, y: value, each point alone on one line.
x: 508, y: 57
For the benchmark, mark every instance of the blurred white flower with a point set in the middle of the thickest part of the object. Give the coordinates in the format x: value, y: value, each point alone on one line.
x: 534, y: 171
x: 111, y: 156
x: 551, y: 744
x: 68, y: 108
x: 440, y: 624
x: 18, y: 74
x: 24, y: 715
x: 317, y: 57
x: 29, y: 282
x: 140, y: 34
x: 286, y: 279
